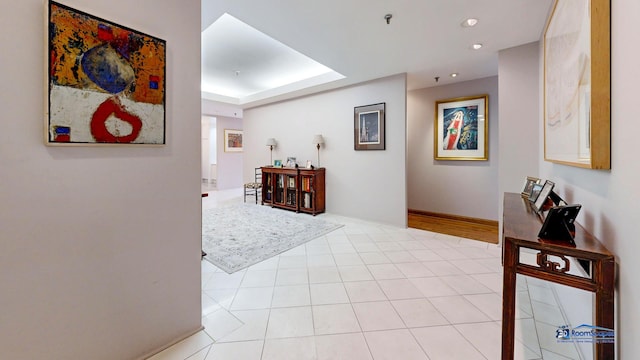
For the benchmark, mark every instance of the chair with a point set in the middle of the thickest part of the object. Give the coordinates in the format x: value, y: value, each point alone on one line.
x: 254, y: 188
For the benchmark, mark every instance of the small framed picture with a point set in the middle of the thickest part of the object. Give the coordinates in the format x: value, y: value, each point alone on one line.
x: 232, y: 140
x: 369, y: 127
x: 535, y: 191
x: 291, y: 162
x: 277, y: 163
x: 309, y: 165
x: 528, y: 186
x: 544, y: 194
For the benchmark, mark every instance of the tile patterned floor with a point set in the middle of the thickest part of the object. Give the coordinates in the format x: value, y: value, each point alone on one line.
x: 368, y: 291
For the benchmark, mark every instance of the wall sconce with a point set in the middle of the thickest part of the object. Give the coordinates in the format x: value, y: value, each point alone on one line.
x: 318, y: 139
x: 271, y: 143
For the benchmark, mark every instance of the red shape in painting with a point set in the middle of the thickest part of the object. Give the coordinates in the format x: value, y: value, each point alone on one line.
x: 105, y: 33
x: 99, y: 122
x: 62, y: 138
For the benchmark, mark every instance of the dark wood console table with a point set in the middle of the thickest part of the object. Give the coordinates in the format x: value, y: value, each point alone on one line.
x: 520, y: 230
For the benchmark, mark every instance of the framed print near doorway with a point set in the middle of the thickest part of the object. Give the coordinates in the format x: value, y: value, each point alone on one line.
x: 232, y: 140
x: 461, y: 128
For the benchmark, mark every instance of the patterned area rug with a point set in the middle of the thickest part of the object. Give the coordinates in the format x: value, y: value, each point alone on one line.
x: 240, y: 235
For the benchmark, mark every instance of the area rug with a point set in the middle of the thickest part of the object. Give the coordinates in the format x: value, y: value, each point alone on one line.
x: 240, y: 235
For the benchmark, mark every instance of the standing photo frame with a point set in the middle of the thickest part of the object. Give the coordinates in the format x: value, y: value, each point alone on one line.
x: 528, y: 186
x: 461, y: 128
x: 232, y: 140
x: 369, y: 127
x: 577, y: 84
x: 105, y: 83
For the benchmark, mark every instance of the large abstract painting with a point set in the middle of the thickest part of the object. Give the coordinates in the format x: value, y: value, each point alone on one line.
x: 106, y: 82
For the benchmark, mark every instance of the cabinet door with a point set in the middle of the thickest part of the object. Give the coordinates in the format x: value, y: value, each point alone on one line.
x: 292, y: 190
x: 306, y: 192
x: 279, y: 188
x: 267, y: 187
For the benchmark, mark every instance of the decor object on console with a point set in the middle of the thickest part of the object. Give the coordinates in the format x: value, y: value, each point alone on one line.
x: 291, y: 162
x: 105, y: 82
x: 461, y: 129
x: 232, y: 140
x: 543, y: 196
x: 369, y: 127
x: 528, y: 186
x: 297, y: 189
x: 577, y: 84
x: 271, y: 143
x: 318, y: 140
x: 237, y: 236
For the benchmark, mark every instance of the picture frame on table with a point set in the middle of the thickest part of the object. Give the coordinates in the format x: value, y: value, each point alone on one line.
x: 461, y: 128
x: 541, y: 200
x: 291, y: 162
x: 369, y: 127
x: 309, y: 164
x: 277, y: 163
x: 535, y: 191
x: 528, y: 186
x: 233, y: 140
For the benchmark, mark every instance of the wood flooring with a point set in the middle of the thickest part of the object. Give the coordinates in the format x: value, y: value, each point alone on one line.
x: 470, y: 228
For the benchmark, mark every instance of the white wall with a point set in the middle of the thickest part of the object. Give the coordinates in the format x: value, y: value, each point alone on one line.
x: 205, y: 161
x: 518, y: 83
x: 369, y: 185
x: 429, y: 181
x: 99, y: 246
x: 229, y: 163
x: 610, y: 198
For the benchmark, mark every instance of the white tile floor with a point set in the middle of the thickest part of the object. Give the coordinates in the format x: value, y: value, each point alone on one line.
x: 366, y: 291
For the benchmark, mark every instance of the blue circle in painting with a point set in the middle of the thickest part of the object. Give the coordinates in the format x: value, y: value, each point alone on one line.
x: 107, y: 69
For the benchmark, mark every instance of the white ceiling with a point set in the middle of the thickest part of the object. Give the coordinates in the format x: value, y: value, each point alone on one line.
x: 424, y: 39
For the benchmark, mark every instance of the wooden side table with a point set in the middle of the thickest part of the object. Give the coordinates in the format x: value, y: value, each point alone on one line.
x: 520, y: 230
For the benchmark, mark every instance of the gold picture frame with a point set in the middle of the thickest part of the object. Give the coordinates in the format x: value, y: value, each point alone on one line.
x: 577, y: 84
x: 461, y: 128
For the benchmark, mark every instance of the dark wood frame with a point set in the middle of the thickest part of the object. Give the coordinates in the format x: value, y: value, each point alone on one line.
x: 362, y: 110
x: 520, y: 230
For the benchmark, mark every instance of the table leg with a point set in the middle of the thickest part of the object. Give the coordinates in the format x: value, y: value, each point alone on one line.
x: 604, y: 274
x: 509, y: 299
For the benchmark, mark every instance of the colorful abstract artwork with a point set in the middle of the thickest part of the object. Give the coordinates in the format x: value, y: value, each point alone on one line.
x: 232, y: 140
x: 461, y: 129
x: 106, y: 82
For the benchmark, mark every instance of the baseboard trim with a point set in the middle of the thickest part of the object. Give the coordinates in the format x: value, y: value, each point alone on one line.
x: 455, y: 217
x: 170, y: 344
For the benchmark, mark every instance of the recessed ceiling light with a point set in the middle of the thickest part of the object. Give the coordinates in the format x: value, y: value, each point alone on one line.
x: 476, y: 46
x: 470, y: 22
x: 453, y: 74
